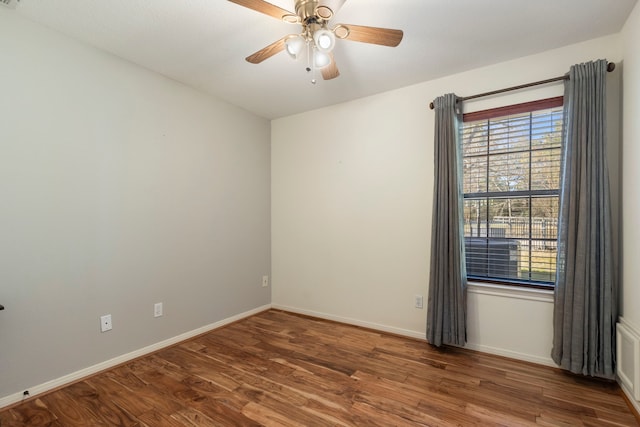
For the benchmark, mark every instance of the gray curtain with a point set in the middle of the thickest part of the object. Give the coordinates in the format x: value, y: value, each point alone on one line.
x: 586, y: 301
x: 447, y: 307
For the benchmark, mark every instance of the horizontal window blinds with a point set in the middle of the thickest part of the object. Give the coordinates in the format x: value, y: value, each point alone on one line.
x: 511, y: 179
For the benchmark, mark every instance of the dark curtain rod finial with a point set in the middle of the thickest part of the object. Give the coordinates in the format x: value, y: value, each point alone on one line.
x: 610, y: 67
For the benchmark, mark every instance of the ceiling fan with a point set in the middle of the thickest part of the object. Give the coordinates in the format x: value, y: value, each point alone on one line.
x: 317, y: 39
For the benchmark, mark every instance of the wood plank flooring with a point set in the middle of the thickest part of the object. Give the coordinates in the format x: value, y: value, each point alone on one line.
x: 280, y: 369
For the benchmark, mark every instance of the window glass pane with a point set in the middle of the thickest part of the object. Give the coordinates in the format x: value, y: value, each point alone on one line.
x: 475, y: 174
x: 493, y: 258
x: 475, y: 218
x: 546, y: 209
x: 546, y: 129
x: 509, y: 134
x: 475, y: 138
x: 544, y: 238
x: 509, y: 217
x: 509, y: 172
x: 546, y: 172
x: 542, y: 266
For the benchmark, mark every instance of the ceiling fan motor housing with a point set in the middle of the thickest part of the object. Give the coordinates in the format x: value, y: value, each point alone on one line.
x: 310, y: 12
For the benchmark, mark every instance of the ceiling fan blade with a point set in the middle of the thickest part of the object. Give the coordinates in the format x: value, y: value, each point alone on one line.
x: 267, y: 52
x: 381, y: 36
x: 334, y: 5
x: 330, y: 71
x: 264, y: 7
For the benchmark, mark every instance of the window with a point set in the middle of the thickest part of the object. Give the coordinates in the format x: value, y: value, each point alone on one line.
x: 511, y: 183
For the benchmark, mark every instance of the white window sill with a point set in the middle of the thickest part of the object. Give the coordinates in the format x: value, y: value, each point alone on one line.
x: 505, y: 291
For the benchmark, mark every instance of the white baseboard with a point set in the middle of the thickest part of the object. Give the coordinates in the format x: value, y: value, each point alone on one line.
x: 355, y: 322
x: 82, y: 373
x: 628, y: 363
x: 547, y: 361
x: 630, y: 397
x: 628, y: 358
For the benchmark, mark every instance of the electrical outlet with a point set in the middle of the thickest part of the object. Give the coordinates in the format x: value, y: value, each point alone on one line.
x: 419, y: 301
x: 265, y: 281
x: 157, y: 309
x: 105, y: 323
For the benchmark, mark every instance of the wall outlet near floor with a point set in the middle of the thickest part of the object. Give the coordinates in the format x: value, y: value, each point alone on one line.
x: 265, y: 281
x: 157, y: 309
x: 105, y: 323
x: 419, y: 301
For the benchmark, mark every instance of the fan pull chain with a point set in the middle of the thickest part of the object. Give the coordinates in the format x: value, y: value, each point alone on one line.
x: 311, y: 67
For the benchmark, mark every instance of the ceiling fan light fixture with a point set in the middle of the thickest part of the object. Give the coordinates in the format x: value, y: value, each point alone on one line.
x: 324, y: 40
x: 294, y: 46
x: 320, y: 59
x: 316, y: 41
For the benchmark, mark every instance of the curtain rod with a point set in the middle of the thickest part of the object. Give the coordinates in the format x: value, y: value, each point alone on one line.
x: 610, y: 67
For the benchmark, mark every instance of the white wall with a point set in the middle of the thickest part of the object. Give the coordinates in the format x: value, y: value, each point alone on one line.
x: 351, y: 208
x: 631, y: 171
x: 629, y: 326
x: 118, y: 189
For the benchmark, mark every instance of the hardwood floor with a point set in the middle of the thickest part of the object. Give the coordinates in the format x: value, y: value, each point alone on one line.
x: 280, y: 369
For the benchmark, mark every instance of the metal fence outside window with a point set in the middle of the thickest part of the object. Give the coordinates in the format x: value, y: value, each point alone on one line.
x: 539, y: 233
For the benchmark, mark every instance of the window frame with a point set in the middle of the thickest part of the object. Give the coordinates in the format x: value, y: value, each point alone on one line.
x: 488, y: 114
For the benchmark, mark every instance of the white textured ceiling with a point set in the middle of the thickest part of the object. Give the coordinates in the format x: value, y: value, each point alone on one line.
x: 203, y: 43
